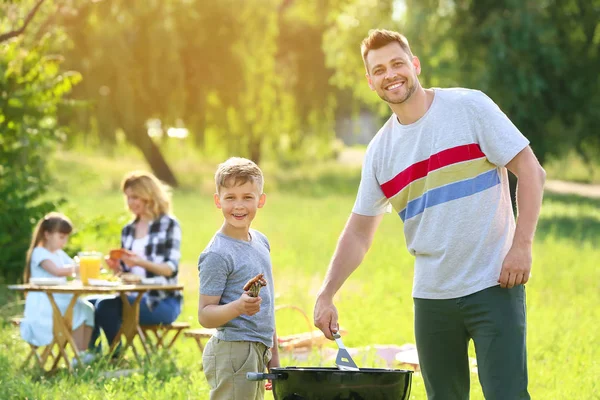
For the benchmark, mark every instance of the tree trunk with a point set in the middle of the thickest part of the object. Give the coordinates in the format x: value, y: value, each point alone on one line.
x: 154, y: 157
x: 255, y: 153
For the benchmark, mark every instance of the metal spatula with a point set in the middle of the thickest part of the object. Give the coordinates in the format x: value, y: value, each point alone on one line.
x: 343, y: 360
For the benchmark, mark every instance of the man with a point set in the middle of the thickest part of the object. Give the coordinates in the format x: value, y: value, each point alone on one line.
x: 441, y: 162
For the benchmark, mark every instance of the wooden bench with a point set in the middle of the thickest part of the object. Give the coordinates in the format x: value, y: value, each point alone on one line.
x: 46, y: 351
x: 165, y: 335
x: 199, y: 335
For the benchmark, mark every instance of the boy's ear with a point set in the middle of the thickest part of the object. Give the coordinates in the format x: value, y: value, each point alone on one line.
x: 261, y: 200
x: 217, y: 200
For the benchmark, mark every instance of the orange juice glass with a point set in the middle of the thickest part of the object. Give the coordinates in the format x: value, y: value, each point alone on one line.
x: 90, y: 263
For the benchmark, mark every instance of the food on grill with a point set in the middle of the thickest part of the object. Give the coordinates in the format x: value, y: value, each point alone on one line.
x: 131, y: 278
x: 254, y: 285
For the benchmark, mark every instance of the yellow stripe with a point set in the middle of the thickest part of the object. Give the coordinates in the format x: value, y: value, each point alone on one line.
x: 450, y: 174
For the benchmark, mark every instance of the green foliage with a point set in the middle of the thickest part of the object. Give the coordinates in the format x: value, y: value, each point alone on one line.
x: 537, y: 60
x: 95, y: 232
x: 244, y: 77
x: 347, y: 28
x: 31, y: 88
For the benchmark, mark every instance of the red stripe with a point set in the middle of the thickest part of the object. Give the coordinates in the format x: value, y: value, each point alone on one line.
x: 436, y: 161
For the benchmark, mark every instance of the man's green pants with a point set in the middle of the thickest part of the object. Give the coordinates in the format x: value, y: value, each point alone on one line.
x: 495, y: 319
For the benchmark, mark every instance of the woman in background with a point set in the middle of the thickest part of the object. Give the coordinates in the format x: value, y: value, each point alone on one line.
x: 153, y: 240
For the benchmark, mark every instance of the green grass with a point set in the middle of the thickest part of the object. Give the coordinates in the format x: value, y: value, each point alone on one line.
x: 572, y: 168
x: 305, y: 212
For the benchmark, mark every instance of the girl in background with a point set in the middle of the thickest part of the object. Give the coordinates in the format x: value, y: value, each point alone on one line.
x: 46, y: 259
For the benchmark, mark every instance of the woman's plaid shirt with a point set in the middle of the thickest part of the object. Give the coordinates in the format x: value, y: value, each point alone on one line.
x: 164, y: 242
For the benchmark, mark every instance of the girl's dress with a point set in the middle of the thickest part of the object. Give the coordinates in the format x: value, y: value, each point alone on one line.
x: 36, y: 326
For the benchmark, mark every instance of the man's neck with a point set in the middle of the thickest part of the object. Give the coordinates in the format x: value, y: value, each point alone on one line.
x: 415, y: 107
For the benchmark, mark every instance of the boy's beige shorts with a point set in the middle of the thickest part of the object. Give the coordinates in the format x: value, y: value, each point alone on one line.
x: 225, y: 366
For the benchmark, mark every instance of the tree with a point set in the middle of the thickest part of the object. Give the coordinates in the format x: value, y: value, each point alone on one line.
x: 248, y: 75
x: 539, y: 62
x: 128, y: 54
x: 32, y: 87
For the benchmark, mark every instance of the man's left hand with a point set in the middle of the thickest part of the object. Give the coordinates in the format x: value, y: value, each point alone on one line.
x: 516, y: 266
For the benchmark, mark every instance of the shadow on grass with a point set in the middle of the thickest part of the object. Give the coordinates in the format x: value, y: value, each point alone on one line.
x: 577, y: 226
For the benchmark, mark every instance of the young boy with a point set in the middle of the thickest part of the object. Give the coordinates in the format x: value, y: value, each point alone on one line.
x: 245, y: 340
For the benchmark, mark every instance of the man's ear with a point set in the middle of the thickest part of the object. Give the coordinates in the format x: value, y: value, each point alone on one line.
x: 417, y: 64
x: 369, y: 81
x: 261, y: 200
x: 217, y: 200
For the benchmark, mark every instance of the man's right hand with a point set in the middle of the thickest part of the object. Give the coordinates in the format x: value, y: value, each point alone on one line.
x: 249, y: 305
x: 326, y: 317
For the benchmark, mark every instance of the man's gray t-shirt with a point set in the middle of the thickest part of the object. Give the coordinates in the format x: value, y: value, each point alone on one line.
x: 225, y: 265
x: 445, y: 176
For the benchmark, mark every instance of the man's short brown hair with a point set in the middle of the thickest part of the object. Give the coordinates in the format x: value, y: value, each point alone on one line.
x: 382, y: 37
x: 240, y: 170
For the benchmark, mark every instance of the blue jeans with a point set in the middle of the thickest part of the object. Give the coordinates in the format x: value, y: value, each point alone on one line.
x: 109, y: 315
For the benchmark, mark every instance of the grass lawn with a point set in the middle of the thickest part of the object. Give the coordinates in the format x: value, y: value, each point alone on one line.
x: 305, y: 212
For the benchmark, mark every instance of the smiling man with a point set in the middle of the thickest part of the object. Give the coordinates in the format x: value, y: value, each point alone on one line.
x: 441, y: 163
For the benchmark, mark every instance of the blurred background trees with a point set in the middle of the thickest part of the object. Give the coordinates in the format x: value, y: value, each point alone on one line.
x: 33, y: 85
x: 271, y: 80
x: 275, y: 77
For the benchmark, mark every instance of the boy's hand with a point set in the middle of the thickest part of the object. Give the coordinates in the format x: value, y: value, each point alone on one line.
x: 273, y: 363
x: 249, y: 305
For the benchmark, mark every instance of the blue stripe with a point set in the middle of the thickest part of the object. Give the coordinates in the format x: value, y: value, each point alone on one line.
x: 449, y: 192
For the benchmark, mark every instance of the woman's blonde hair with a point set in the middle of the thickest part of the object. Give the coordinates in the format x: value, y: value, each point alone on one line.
x: 52, y: 222
x: 148, y: 188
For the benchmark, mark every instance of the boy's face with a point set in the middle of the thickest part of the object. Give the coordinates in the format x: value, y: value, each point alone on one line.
x: 239, y: 203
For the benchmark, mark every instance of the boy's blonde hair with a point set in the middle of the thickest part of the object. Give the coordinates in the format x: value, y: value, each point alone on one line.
x: 148, y: 188
x: 52, y: 222
x: 241, y: 170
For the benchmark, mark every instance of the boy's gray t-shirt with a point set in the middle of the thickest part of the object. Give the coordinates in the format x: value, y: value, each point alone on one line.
x: 445, y: 176
x: 225, y: 265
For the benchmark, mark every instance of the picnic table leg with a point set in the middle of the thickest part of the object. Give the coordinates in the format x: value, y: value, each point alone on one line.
x: 130, y: 326
x: 62, y: 326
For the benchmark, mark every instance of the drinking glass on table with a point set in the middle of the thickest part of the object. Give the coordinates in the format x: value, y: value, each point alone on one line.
x: 89, y: 265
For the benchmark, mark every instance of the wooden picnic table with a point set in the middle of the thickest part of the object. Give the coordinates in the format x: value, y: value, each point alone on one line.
x: 63, y: 324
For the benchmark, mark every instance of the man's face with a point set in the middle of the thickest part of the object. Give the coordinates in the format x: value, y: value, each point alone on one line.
x: 239, y: 203
x: 392, y: 73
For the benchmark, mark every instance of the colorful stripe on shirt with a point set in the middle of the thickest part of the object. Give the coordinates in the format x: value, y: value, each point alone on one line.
x: 448, y: 175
